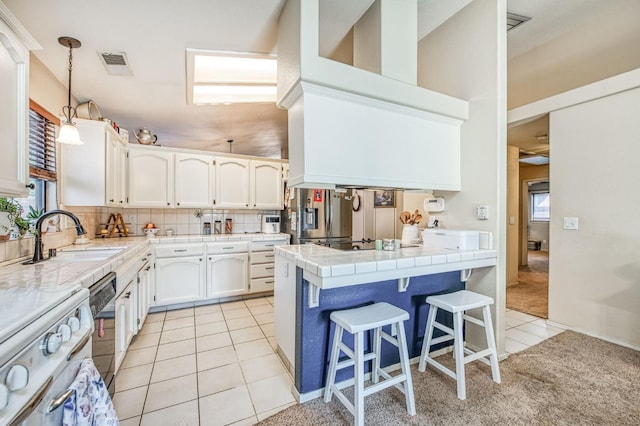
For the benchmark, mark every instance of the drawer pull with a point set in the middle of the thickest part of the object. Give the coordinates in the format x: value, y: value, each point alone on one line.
x: 268, y: 267
x: 269, y: 255
x: 179, y: 251
x: 228, y: 248
x: 269, y: 245
x: 268, y: 282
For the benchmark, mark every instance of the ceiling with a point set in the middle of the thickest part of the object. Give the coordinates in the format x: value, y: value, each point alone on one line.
x: 155, y: 39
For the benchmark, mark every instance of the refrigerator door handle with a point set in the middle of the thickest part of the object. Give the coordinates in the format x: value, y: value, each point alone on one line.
x: 327, y: 213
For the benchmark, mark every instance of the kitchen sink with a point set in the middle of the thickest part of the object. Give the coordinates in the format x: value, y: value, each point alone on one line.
x: 84, y: 255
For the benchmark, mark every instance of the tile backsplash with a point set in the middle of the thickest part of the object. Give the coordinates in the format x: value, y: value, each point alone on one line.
x: 181, y: 221
x: 185, y: 221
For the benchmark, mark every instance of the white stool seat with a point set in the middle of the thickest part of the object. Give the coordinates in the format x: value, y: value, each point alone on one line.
x: 368, y: 317
x: 457, y: 303
x: 357, y: 321
x: 462, y: 300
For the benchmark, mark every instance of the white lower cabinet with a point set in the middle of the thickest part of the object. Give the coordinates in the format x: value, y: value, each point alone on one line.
x: 143, y: 295
x: 179, y: 279
x: 184, y: 273
x: 285, y: 299
x: 227, y: 274
x: 126, y: 321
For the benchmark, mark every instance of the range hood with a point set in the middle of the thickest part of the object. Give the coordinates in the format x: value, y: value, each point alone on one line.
x: 356, y: 128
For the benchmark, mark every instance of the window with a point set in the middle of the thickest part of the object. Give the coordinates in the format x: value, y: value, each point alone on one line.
x: 540, y: 207
x: 42, y: 160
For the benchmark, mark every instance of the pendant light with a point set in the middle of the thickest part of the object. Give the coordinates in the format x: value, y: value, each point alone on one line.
x: 68, y: 133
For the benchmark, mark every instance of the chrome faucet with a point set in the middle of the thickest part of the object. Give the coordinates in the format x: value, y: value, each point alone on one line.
x: 37, y: 251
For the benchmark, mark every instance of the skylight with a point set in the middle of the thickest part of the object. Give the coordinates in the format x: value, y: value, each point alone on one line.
x: 215, y: 77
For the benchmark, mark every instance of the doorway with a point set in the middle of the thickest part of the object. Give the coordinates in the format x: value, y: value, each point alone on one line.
x: 531, y: 294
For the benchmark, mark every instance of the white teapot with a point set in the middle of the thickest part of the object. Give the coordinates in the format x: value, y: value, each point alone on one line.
x: 145, y: 137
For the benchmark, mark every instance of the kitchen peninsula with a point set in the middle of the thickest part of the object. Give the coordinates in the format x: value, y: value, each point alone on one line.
x: 312, y: 281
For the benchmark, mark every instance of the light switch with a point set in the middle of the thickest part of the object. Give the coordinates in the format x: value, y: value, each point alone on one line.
x: 482, y: 212
x: 570, y: 223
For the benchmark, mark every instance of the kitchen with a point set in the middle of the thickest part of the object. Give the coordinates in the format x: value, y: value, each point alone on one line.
x: 476, y: 184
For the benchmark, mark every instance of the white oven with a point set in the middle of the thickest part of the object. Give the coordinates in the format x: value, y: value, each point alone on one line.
x: 40, y: 360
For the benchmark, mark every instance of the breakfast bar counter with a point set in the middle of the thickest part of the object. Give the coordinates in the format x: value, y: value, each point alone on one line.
x: 312, y: 281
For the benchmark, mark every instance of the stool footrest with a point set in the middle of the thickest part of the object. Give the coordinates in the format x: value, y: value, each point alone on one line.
x: 443, y: 328
x: 477, y: 355
x: 391, y: 381
x: 440, y: 340
x: 349, y: 362
x: 473, y: 320
x: 441, y: 367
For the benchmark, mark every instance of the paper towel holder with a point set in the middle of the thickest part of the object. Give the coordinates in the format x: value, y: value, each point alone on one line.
x: 433, y: 205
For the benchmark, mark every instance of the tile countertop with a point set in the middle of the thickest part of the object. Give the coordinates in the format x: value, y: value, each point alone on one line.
x: 49, y: 274
x: 330, y: 268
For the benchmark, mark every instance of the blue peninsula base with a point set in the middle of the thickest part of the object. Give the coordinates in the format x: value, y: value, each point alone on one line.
x: 314, y: 330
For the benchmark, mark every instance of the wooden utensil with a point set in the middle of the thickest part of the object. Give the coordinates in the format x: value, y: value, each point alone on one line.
x: 417, y: 219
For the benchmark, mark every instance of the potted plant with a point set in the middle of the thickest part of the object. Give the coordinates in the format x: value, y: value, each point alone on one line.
x: 10, y: 211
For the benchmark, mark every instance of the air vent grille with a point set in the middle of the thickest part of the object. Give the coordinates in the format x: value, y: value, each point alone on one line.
x: 514, y: 20
x: 115, y: 63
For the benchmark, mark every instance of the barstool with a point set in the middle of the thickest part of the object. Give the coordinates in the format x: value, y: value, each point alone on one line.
x: 457, y: 303
x: 357, y: 321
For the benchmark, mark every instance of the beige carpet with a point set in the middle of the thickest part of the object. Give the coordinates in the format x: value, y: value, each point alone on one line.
x: 531, y: 294
x: 570, y: 379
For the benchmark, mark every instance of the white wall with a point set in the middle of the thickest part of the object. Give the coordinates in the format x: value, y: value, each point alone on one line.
x: 466, y: 58
x: 594, y: 274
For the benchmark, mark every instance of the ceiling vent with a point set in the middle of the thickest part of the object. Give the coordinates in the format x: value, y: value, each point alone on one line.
x: 115, y: 63
x: 514, y: 20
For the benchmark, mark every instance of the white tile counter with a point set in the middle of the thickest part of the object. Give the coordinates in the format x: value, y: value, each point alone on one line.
x: 327, y: 268
x: 55, y: 273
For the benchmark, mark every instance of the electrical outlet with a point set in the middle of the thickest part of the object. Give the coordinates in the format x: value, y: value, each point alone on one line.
x: 132, y: 218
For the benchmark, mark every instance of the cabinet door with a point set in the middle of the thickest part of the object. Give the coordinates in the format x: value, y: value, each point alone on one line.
x: 179, y: 280
x: 195, y: 181
x: 115, y: 172
x: 266, y: 185
x: 125, y: 322
x: 150, y: 177
x: 14, y: 77
x: 232, y: 183
x: 227, y: 275
x: 144, y: 288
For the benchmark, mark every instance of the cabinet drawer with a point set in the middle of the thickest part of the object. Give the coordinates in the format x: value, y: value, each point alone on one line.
x: 229, y: 247
x: 262, y: 270
x: 266, y: 245
x: 262, y: 257
x: 261, y: 284
x: 179, y: 250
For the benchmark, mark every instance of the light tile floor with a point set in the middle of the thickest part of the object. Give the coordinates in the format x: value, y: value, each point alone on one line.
x: 524, y: 330
x: 209, y: 365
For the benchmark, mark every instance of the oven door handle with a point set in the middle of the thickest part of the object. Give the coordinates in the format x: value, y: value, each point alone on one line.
x: 77, y: 348
x: 32, y: 404
x: 57, y: 402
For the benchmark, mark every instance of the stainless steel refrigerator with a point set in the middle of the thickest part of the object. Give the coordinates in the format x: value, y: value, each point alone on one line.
x: 319, y: 216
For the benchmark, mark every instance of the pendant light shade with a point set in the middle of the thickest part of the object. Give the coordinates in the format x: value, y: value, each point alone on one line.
x: 68, y: 133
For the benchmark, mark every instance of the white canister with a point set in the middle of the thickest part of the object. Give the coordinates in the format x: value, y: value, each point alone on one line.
x: 410, y: 234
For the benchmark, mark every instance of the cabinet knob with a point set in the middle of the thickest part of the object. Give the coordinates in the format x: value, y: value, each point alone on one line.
x: 127, y: 295
x: 178, y: 203
x: 111, y: 200
x: 246, y: 205
x: 168, y: 204
x: 31, y: 185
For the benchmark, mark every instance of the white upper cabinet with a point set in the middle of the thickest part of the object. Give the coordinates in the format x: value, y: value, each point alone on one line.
x: 232, y: 183
x: 150, y: 177
x: 266, y: 185
x: 14, y: 107
x: 94, y: 173
x: 195, y: 181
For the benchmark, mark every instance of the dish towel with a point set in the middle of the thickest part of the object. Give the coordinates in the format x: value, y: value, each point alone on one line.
x: 90, y: 404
